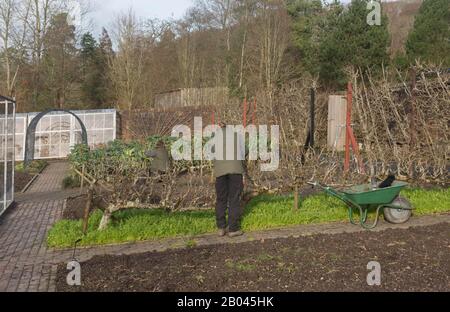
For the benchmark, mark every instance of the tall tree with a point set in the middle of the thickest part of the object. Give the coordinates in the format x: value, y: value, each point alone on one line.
x: 430, y: 37
x: 105, y: 55
x: 13, y: 29
x: 60, y: 60
x: 6, y: 29
x: 352, y: 42
x: 219, y: 14
x: 105, y: 43
x: 127, y: 66
x: 40, y: 17
x: 272, y: 34
x: 92, y: 71
x: 307, y: 30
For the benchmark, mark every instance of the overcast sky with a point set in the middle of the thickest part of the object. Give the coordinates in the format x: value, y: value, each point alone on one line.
x: 104, y: 11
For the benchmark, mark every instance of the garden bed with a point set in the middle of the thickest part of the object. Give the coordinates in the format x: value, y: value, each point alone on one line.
x: 23, y: 177
x: 74, y: 208
x: 21, y: 180
x: 411, y: 260
x: 264, y: 212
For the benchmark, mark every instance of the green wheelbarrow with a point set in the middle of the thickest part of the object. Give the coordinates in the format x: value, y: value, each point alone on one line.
x: 397, y: 209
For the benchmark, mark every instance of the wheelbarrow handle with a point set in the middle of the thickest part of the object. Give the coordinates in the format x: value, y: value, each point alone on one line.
x: 317, y: 184
x: 328, y: 190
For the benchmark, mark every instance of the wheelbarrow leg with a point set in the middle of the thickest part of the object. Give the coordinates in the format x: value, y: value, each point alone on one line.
x: 362, y: 218
x: 364, y: 215
x: 375, y: 223
x: 350, y: 215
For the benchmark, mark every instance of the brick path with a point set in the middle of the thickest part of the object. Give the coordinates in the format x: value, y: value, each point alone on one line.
x: 50, y: 180
x: 26, y: 264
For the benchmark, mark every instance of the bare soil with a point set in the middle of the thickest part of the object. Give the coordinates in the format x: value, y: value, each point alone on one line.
x: 21, y: 179
x: 416, y: 259
x: 74, y: 209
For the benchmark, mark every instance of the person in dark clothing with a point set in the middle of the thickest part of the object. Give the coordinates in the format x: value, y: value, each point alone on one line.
x: 229, y: 188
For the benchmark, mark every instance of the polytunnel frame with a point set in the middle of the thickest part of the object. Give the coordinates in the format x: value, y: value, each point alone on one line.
x: 30, y: 140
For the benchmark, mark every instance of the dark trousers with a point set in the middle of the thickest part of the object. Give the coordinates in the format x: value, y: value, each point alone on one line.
x: 229, y: 191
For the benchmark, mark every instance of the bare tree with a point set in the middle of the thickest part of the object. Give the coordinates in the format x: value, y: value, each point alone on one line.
x: 272, y: 37
x: 13, y: 28
x: 126, y: 67
x: 224, y: 9
x: 132, y: 67
x: 245, y: 25
x: 6, y: 24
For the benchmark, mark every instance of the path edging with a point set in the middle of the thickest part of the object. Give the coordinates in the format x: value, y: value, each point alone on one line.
x: 29, y: 184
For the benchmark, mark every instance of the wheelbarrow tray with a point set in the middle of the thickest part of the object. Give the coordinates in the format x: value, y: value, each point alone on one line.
x: 364, y: 195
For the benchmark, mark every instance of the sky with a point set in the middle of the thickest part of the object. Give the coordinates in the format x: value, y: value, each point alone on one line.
x: 104, y: 11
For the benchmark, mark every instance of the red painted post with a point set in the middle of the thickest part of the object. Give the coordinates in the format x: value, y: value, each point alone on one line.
x: 350, y: 136
x: 348, y: 126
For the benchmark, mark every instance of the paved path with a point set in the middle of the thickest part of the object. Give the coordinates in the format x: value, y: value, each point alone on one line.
x: 26, y: 264
x: 24, y: 256
x: 51, y: 178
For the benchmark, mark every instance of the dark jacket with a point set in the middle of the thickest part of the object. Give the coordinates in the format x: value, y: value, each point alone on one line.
x: 229, y: 166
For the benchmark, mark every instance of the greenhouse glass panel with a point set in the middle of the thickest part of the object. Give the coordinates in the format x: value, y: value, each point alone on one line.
x: 58, y: 132
x: 7, y: 152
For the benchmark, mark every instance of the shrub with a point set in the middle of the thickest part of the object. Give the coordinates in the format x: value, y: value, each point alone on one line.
x: 124, y: 180
x: 71, y: 181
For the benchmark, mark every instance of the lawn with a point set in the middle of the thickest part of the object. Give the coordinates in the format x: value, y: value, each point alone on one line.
x: 264, y: 212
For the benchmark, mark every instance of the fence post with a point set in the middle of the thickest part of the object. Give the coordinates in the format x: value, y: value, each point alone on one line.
x: 350, y: 136
x: 296, y: 198
x: 348, y: 126
x: 87, y: 209
x: 312, y: 129
x: 254, y: 112
x: 413, y: 117
x: 82, y: 177
x: 245, y: 113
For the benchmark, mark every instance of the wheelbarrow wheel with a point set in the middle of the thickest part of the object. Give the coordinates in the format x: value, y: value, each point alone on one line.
x: 398, y: 215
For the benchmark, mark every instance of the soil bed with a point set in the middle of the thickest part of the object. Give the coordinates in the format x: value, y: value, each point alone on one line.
x: 411, y: 260
x: 74, y: 209
x: 21, y: 179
